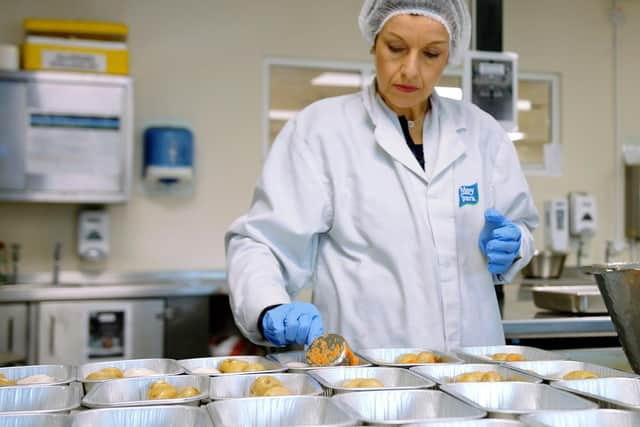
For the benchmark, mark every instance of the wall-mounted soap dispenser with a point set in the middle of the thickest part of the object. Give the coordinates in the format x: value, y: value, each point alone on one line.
x: 93, y: 234
x: 168, y: 160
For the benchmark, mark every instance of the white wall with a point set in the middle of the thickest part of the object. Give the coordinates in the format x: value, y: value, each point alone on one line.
x: 199, y: 62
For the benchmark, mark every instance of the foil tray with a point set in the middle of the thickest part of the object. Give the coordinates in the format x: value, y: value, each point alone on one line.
x: 445, y: 373
x: 332, y: 379
x: 63, y: 374
x: 406, y: 406
x: 615, y: 393
x: 35, y: 420
x: 485, y: 422
x: 388, y: 356
x: 482, y: 354
x: 133, y: 392
x: 554, y: 370
x: 292, y: 360
x: 238, y: 386
x: 569, y: 299
x: 162, y: 366
x: 40, y: 399
x: 156, y: 416
x: 279, y: 412
x: 510, y: 400
x: 588, y: 418
x: 213, y: 362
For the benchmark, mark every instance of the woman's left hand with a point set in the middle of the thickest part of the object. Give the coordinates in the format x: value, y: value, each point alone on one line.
x: 499, y: 241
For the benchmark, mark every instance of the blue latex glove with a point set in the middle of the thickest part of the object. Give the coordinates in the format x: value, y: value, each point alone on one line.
x: 293, y: 323
x: 499, y: 241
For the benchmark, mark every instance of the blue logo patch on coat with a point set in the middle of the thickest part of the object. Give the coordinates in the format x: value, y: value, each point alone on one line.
x: 468, y: 195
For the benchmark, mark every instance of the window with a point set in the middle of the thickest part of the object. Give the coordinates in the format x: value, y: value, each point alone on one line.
x: 291, y: 85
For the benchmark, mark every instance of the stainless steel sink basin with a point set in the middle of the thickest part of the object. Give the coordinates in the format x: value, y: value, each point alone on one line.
x: 619, y: 284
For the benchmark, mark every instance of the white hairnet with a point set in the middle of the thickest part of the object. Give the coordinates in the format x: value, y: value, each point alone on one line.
x: 453, y: 14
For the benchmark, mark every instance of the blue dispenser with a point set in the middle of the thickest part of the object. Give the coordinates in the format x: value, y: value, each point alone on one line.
x: 168, y: 155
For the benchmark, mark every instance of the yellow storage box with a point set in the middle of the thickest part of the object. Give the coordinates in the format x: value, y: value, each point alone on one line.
x: 113, y: 31
x: 66, y: 54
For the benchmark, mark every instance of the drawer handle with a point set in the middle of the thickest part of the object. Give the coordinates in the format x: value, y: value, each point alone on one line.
x: 10, y: 335
x: 52, y: 332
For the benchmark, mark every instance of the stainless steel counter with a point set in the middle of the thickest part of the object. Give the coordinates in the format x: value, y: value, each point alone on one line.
x: 522, y: 319
x: 78, y: 286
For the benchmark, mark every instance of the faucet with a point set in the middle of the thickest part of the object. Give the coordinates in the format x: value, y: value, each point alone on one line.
x: 15, y: 259
x: 608, y: 252
x: 57, y: 248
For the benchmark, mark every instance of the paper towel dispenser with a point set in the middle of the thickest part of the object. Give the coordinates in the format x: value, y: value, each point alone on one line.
x: 168, y: 155
x: 66, y: 137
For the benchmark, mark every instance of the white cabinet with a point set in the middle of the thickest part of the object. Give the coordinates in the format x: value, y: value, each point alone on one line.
x: 77, y: 332
x: 13, y: 329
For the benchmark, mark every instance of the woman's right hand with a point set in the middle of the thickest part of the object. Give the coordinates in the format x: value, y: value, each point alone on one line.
x: 293, y: 323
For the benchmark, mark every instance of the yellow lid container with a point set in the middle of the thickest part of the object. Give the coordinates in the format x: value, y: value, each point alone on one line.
x: 76, y: 29
x: 60, y: 54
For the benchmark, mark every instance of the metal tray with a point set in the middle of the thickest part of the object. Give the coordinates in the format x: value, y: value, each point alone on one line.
x: 63, y: 374
x: 406, y: 406
x: 212, y: 362
x: 554, y: 370
x: 39, y: 399
x: 510, y: 400
x: 615, y: 393
x: 482, y: 354
x: 486, y: 422
x: 163, y: 366
x: 237, y: 386
x: 35, y: 420
x: 589, y: 418
x: 280, y: 411
x: 133, y: 392
x: 445, y: 373
x: 291, y: 359
x: 156, y: 416
x: 392, y: 378
x: 388, y: 356
x: 572, y: 299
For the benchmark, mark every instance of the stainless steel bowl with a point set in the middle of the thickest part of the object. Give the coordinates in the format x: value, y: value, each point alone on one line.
x: 619, y: 285
x: 545, y: 265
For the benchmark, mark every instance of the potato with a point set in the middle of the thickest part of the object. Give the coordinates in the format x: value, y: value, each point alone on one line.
x: 579, y: 375
x: 162, y: 390
x: 278, y: 391
x: 229, y: 366
x: 261, y: 384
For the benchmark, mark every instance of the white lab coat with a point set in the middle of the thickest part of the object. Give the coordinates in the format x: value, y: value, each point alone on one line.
x: 390, y: 250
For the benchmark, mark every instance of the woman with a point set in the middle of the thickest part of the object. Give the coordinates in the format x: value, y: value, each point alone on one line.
x: 400, y: 208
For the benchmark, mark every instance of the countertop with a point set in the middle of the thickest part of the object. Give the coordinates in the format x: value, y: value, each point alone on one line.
x: 82, y: 286
x: 521, y: 318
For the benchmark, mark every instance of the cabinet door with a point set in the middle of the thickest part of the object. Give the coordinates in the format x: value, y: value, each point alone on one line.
x: 78, y: 332
x: 13, y: 329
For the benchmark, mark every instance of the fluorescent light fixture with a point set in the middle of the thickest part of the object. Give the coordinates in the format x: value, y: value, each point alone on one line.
x: 336, y: 79
x: 282, y: 115
x: 517, y: 136
x: 449, y: 92
x: 524, y: 105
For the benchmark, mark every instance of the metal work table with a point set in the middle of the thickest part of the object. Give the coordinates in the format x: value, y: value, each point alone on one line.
x: 522, y: 319
x: 78, y: 286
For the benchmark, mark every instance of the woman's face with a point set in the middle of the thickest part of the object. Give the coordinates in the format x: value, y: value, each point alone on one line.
x: 411, y: 52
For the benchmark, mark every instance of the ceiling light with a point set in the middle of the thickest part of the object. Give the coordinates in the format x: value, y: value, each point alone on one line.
x: 524, y: 105
x: 282, y: 115
x: 449, y: 92
x: 517, y: 136
x: 336, y: 79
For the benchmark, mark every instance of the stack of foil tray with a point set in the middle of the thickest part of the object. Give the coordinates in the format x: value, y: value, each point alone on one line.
x: 569, y: 299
